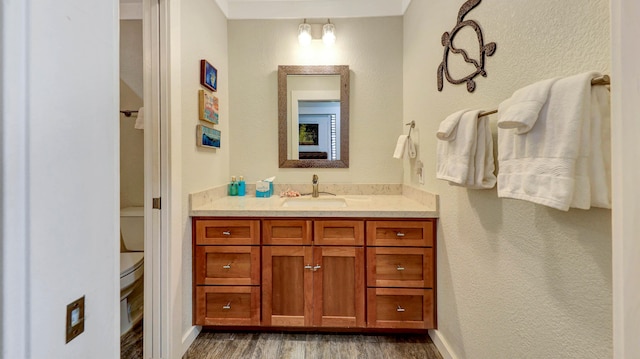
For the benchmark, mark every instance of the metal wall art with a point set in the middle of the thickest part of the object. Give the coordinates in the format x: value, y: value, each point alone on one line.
x: 484, y: 50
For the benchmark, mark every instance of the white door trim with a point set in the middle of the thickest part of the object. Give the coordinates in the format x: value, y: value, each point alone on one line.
x: 14, y: 193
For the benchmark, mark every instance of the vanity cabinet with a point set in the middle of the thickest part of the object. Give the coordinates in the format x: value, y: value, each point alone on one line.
x: 226, y: 272
x: 401, y: 274
x: 313, y: 281
x: 314, y: 273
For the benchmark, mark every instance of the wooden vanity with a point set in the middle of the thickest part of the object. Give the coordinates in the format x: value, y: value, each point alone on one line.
x: 315, y: 272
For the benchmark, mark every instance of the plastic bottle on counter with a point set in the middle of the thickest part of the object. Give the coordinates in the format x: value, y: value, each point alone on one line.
x: 233, y: 187
x: 242, y: 189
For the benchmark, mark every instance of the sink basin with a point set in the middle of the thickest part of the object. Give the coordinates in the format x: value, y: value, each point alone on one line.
x: 325, y: 202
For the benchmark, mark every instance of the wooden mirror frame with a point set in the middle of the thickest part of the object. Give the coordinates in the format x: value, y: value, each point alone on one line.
x: 283, y: 72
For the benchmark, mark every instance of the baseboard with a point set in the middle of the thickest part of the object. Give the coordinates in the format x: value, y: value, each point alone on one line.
x: 441, y: 344
x: 189, y: 337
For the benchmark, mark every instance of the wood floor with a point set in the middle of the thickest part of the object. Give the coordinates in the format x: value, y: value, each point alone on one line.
x: 251, y: 345
x: 131, y: 343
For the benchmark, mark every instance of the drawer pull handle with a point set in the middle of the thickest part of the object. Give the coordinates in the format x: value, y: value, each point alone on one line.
x: 316, y: 267
x: 400, y: 309
x: 399, y: 234
x: 399, y: 267
x: 308, y: 266
x: 227, y: 307
x: 228, y: 266
x: 226, y: 233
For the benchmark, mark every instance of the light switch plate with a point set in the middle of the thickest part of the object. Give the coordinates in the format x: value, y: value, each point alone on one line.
x: 75, y: 319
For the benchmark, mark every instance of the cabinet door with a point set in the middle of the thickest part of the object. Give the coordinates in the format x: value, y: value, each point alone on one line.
x: 287, y: 290
x: 338, y: 287
x: 227, y: 265
x: 338, y: 233
x: 401, y: 233
x: 400, y: 267
x: 287, y: 232
x: 227, y: 232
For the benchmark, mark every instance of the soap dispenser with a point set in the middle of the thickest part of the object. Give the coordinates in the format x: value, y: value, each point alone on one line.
x: 241, y: 187
x: 233, y: 187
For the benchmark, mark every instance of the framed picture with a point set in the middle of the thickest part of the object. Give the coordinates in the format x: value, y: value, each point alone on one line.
x: 208, y: 106
x: 308, y: 134
x: 208, y: 76
x: 207, y: 137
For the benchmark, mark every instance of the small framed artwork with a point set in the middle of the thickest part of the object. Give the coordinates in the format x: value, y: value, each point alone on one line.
x: 208, y: 106
x: 207, y: 137
x: 308, y: 134
x: 208, y: 75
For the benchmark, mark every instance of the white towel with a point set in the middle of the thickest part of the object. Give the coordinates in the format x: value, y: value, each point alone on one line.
x: 465, y: 155
x: 400, y: 146
x: 550, y: 164
x: 521, y: 110
x: 140, y: 119
x: 405, y: 143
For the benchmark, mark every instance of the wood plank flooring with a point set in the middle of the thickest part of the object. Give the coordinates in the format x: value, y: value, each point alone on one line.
x: 252, y: 345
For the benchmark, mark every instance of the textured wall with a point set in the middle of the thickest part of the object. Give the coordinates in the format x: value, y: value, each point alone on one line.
x: 131, y: 139
x: 515, y: 280
x: 203, y: 35
x: 373, y: 50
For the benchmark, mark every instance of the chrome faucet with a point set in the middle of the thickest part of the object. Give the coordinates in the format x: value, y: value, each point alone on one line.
x: 315, y: 193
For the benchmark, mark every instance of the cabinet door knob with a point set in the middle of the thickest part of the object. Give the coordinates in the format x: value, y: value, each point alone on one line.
x: 399, y: 267
x: 316, y: 267
x: 227, y: 307
x: 308, y: 266
x: 227, y: 266
x: 399, y: 234
x: 226, y: 233
x: 400, y: 309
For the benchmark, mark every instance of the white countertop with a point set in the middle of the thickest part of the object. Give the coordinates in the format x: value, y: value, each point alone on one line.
x: 387, y: 206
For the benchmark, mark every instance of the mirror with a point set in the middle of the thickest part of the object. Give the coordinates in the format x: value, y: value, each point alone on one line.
x: 313, y: 116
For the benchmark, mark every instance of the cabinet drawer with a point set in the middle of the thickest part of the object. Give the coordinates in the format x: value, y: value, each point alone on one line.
x: 400, y: 233
x: 226, y: 232
x: 227, y: 265
x: 401, y: 308
x: 400, y: 267
x: 338, y: 233
x: 227, y: 305
x: 286, y: 232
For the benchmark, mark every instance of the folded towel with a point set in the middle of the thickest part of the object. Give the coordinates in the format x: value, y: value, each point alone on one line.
x: 400, y: 146
x: 521, y: 110
x: 600, y: 151
x: 549, y: 165
x: 467, y: 159
x: 140, y: 119
x: 447, y: 129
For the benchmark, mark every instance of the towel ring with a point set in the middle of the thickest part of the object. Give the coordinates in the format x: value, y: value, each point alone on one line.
x: 412, y: 124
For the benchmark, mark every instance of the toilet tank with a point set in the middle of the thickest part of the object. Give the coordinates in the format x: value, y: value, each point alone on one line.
x: 132, y: 227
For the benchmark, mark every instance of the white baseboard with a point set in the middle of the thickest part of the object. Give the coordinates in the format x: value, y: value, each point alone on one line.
x: 441, y: 344
x: 189, y: 336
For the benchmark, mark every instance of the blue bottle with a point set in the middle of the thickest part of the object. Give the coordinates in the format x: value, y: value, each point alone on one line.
x: 242, y: 189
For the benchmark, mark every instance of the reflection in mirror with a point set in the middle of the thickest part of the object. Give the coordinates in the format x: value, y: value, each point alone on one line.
x: 313, y: 109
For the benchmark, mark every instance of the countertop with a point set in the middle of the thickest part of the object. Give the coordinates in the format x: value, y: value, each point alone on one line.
x: 367, y: 206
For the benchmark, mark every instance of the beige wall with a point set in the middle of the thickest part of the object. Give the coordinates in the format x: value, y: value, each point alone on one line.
x: 515, y: 280
x: 203, y: 35
x: 131, y: 139
x: 372, y: 47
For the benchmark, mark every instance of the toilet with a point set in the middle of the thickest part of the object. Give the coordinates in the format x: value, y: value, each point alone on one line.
x: 131, y: 267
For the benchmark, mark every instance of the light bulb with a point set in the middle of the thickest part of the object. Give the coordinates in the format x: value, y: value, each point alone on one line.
x: 304, y: 34
x: 329, y: 34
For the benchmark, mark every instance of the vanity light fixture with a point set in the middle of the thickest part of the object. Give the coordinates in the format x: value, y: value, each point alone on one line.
x: 308, y: 32
x: 329, y: 33
x: 304, y: 33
